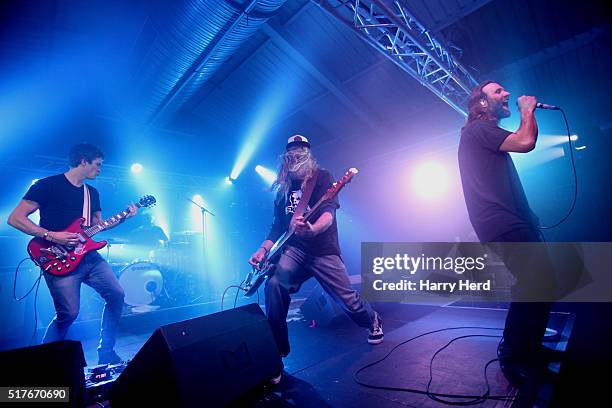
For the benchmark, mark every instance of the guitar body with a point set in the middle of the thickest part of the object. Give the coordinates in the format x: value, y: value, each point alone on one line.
x: 257, y: 279
x: 60, y: 260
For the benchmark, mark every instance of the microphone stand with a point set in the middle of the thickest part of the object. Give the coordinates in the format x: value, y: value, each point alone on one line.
x: 204, y: 210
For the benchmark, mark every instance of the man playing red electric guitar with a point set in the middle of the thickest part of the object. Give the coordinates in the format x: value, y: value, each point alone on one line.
x: 61, y: 199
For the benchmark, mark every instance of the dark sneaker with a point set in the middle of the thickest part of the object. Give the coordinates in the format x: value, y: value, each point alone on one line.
x: 277, y: 378
x: 541, y: 354
x: 375, y: 334
x: 550, y: 355
x: 109, y: 357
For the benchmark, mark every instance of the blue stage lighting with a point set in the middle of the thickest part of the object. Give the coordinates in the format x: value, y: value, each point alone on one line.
x: 266, y: 174
x: 136, y: 168
x: 267, y: 112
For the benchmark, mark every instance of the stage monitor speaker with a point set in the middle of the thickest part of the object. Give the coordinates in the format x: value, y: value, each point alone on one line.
x: 208, y: 361
x: 321, y: 308
x: 57, y: 364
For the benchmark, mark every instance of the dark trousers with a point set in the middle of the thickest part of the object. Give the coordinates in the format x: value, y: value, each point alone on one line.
x: 66, y: 293
x: 526, y: 321
x: 293, y: 268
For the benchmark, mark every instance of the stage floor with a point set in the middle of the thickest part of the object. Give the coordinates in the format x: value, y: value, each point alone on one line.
x: 320, y: 369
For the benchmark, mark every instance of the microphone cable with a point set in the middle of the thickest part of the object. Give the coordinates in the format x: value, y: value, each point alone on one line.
x: 437, y: 396
x: 574, y: 199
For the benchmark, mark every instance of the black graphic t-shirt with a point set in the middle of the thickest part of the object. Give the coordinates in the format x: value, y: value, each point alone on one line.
x: 60, y: 201
x: 325, y: 243
x: 494, y: 195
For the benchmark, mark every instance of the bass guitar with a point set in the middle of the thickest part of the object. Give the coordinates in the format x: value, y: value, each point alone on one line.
x: 59, y: 259
x: 264, y: 269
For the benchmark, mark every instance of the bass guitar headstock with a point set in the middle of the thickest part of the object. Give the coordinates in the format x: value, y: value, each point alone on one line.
x: 339, y: 185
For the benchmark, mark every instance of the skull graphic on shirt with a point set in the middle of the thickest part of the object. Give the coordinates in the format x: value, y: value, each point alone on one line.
x: 293, y: 201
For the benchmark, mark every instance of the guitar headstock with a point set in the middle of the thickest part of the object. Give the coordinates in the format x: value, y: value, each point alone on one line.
x: 339, y: 185
x: 146, y: 201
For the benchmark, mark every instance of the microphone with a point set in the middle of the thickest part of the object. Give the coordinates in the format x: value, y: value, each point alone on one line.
x: 546, y: 106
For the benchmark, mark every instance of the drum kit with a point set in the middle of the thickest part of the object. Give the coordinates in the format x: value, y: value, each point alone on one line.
x: 160, y: 277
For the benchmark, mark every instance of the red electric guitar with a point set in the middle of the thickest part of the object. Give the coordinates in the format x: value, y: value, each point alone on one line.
x: 265, y: 268
x: 59, y: 259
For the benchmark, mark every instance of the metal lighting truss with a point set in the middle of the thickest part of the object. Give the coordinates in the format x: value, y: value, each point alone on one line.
x: 392, y: 30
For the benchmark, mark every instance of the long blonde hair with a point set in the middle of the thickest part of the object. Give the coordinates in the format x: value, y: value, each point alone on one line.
x: 296, y: 161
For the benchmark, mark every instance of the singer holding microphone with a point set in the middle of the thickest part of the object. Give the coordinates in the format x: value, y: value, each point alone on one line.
x: 499, y: 212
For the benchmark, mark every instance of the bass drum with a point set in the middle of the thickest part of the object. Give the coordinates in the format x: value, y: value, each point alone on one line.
x: 142, y: 282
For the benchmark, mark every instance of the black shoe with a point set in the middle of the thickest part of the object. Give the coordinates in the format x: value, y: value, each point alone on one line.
x: 523, y: 373
x: 375, y: 334
x: 550, y: 355
x: 277, y: 378
x: 109, y: 357
x: 541, y: 353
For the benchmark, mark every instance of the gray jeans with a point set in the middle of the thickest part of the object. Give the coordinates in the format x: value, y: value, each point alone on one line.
x: 293, y: 268
x: 66, y: 293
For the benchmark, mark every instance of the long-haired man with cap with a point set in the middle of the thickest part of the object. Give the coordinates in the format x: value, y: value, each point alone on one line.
x: 314, y: 251
x: 499, y: 212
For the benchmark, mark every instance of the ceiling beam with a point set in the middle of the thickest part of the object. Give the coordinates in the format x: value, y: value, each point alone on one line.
x: 458, y: 14
x: 548, y: 54
x: 283, y: 40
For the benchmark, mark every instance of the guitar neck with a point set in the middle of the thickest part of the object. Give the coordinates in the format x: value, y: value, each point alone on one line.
x: 108, y: 223
x: 315, y: 208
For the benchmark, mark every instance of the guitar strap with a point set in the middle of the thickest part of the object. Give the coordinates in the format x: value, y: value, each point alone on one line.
x: 86, y: 206
x: 306, y: 194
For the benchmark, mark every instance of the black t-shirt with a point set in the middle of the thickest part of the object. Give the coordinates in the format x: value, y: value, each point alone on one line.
x: 325, y: 243
x: 60, y: 202
x: 493, y: 192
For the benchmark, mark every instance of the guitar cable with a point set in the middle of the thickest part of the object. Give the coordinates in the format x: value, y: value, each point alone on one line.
x: 19, y: 299
x: 35, y: 285
x: 239, y: 288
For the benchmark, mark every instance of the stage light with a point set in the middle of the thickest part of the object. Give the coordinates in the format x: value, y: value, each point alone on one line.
x: 545, y: 140
x: 581, y: 148
x: 198, y: 199
x: 544, y: 155
x: 266, y: 174
x: 136, y: 168
x: 429, y: 180
x: 147, y: 182
x: 196, y: 214
x: 229, y: 181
